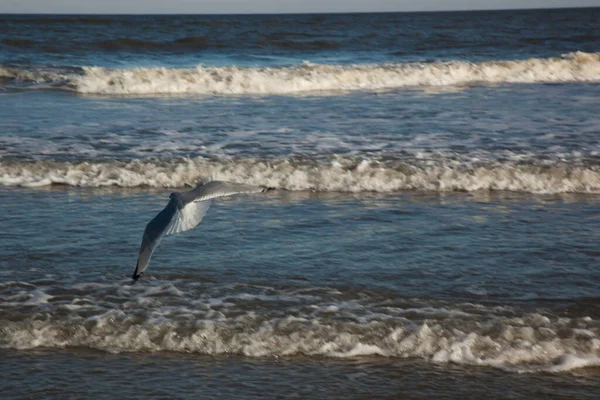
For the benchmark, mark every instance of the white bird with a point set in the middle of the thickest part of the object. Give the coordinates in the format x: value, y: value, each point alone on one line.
x: 184, y: 211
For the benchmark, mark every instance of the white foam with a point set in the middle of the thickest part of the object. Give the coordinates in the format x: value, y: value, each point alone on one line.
x: 307, y: 77
x: 38, y: 297
x: 569, y: 362
x: 530, y: 350
x: 338, y: 175
x: 168, y: 289
x: 36, y: 75
x: 161, y: 317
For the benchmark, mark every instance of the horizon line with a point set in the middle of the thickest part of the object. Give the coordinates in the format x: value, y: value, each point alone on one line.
x: 299, y: 13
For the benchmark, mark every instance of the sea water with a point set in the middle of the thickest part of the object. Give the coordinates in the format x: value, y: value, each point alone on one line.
x: 433, y: 232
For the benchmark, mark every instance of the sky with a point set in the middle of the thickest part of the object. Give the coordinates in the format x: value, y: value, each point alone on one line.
x: 270, y: 6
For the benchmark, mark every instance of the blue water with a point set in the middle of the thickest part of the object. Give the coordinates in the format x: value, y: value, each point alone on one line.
x: 432, y: 233
x: 256, y: 40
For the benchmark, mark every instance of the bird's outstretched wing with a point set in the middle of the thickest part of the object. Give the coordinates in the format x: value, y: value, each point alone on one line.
x: 195, y: 203
x: 214, y: 189
x: 184, y: 212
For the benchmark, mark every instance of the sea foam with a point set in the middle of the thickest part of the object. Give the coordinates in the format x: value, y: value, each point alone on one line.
x: 507, y: 343
x: 308, y: 77
x: 337, y: 175
x: 264, y: 321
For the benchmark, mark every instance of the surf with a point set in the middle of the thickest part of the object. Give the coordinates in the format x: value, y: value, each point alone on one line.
x: 307, y: 77
x: 337, y: 174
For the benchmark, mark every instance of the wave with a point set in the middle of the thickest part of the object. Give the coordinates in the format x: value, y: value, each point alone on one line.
x: 340, y: 174
x: 302, y: 44
x: 17, y: 42
x: 509, y: 345
x: 307, y: 322
x: 180, y: 44
x: 195, y: 41
x: 307, y: 77
x: 37, y: 75
x: 126, y: 43
x: 184, y: 43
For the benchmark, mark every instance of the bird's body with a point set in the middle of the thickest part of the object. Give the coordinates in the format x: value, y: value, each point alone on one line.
x: 184, y: 211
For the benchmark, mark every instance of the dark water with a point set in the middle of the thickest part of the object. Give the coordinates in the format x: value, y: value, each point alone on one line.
x: 140, y: 376
x: 256, y: 40
x: 433, y: 232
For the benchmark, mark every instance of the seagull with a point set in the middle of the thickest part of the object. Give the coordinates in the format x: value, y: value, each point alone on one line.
x: 184, y: 211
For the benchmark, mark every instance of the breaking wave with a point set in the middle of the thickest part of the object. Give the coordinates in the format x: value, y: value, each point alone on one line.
x: 307, y: 77
x: 341, y: 174
x: 270, y: 322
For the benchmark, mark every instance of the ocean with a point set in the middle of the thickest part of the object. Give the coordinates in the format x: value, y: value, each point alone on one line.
x: 433, y: 232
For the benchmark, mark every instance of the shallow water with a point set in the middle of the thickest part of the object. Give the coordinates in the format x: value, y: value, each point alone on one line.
x: 142, y: 376
x: 499, y: 280
x: 508, y: 138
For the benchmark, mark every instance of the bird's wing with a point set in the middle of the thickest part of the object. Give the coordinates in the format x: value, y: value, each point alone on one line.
x: 188, y: 217
x: 197, y: 201
x: 184, y: 212
x: 153, y: 234
x: 214, y: 189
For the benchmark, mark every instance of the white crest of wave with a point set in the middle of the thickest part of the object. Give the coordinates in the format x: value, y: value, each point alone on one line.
x: 307, y: 77
x: 529, y: 343
x: 338, y: 175
x: 36, y: 75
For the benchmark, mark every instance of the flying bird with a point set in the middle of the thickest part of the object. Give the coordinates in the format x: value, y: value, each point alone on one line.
x: 184, y: 211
